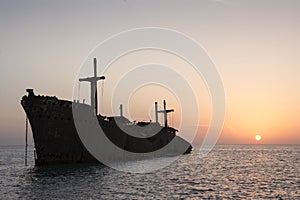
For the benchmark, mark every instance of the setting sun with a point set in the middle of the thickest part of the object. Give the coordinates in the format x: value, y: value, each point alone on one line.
x: 257, y: 137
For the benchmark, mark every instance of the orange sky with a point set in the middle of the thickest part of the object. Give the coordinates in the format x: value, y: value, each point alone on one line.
x: 254, y: 44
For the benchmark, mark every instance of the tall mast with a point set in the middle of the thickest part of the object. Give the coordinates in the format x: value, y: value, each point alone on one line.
x: 165, y: 111
x: 165, y: 114
x: 93, y: 81
x: 96, y: 94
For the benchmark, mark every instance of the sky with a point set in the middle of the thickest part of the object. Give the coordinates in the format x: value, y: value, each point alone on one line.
x: 254, y: 44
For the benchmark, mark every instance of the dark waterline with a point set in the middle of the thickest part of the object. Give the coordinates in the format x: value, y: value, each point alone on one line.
x: 236, y: 171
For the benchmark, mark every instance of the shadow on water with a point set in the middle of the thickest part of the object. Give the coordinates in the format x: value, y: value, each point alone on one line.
x: 61, y: 181
x: 67, y: 169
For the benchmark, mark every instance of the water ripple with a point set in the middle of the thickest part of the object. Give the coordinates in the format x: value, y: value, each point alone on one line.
x: 230, y: 171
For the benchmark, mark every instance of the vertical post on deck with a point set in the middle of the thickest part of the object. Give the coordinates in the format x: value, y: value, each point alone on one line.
x: 156, y: 113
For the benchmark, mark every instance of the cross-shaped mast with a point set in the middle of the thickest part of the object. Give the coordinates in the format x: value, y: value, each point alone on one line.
x: 93, y: 80
x: 164, y: 111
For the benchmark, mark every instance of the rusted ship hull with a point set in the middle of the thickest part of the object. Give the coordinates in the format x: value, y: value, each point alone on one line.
x: 56, y: 139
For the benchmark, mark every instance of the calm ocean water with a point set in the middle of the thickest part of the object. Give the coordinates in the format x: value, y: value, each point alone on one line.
x: 230, y: 171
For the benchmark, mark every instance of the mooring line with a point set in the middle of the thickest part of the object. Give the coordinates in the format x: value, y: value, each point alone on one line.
x: 26, y: 139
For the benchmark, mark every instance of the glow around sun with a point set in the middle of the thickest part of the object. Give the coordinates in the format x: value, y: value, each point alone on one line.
x: 257, y: 137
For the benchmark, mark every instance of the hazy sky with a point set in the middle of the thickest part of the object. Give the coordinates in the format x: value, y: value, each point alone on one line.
x: 254, y: 43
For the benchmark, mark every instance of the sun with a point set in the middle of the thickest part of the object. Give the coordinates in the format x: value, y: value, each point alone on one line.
x: 257, y: 137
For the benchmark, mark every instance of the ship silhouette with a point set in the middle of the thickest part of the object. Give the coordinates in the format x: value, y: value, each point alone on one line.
x: 56, y: 138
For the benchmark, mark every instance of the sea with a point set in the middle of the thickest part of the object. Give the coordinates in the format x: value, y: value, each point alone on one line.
x: 227, y: 172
